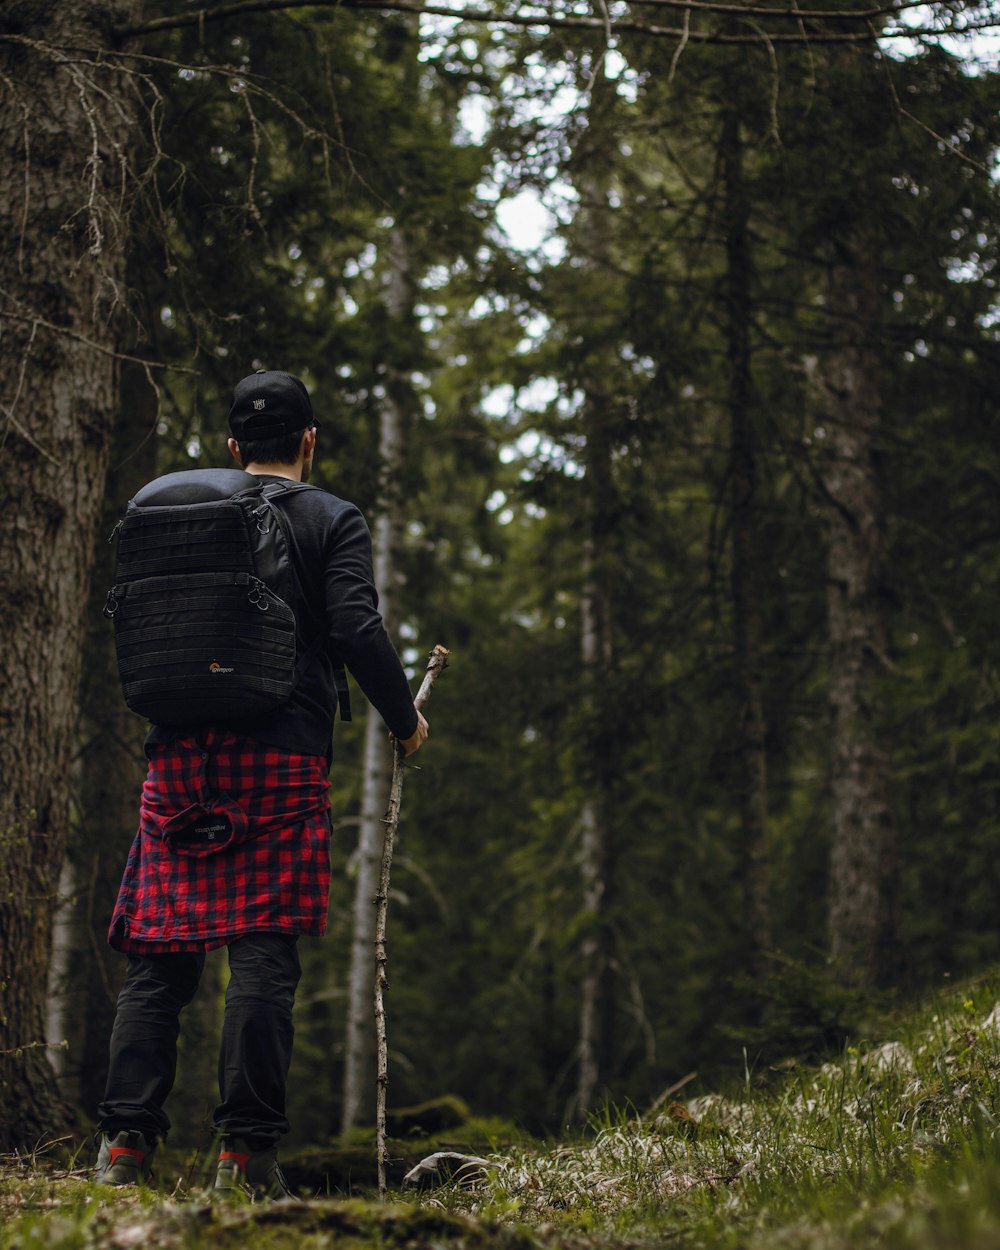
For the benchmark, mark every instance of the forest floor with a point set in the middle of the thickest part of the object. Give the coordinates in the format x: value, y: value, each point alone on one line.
x: 895, y: 1144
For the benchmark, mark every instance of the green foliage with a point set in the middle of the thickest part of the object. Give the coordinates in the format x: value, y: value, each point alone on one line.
x: 802, y: 1011
x: 488, y: 921
x: 567, y: 424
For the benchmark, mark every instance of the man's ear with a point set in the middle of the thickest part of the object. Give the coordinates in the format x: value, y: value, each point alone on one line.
x: 308, y: 442
x: 234, y: 449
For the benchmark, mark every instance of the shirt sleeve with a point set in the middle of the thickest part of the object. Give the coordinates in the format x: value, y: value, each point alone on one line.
x: 356, y: 632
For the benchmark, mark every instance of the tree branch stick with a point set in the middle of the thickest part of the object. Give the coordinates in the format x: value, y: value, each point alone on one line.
x: 436, y: 664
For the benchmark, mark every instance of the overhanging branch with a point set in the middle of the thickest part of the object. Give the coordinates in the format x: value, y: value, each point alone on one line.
x: 863, y: 16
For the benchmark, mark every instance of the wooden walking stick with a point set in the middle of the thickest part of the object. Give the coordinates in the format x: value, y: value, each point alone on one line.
x: 436, y: 664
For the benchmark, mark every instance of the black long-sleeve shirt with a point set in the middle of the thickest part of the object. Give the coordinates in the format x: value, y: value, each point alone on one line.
x: 336, y: 608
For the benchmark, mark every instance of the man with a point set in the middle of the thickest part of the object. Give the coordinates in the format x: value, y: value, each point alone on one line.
x: 269, y: 882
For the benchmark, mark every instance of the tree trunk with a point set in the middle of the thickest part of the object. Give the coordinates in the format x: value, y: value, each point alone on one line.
x: 599, y: 557
x: 359, y: 1046
x: 64, y: 126
x: 111, y: 766
x: 751, y: 767
x: 596, y: 995
x: 862, y: 848
x: 359, y: 1049
x: 64, y: 1000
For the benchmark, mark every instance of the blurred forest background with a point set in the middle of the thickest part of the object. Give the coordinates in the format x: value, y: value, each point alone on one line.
x: 658, y: 342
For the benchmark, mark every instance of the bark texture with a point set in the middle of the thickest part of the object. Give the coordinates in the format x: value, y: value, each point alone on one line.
x: 863, y: 843
x: 110, y: 771
x: 747, y: 558
x: 65, y: 121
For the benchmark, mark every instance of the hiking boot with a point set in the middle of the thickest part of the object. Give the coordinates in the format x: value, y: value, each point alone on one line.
x: 124, y: 1159
x: 254, y: 1172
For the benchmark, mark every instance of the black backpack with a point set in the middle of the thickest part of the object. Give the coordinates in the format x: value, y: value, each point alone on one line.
x: 203, y: 581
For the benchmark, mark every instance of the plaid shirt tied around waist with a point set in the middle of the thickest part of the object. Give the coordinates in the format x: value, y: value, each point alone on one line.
x: 234, y: 838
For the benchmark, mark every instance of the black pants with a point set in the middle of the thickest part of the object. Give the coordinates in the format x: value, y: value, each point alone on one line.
x: 256, y: 1040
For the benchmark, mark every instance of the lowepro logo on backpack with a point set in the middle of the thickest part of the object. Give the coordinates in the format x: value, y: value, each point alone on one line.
x: 216, y: 667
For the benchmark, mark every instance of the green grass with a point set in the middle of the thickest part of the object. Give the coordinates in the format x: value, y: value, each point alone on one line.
x: 894, y: 1145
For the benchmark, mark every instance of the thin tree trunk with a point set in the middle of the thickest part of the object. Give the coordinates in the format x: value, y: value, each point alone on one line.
x: 61, y: 277
x: 359, y: 1050
x: 599, y: 557
x: 593, y: 848
x: 359, y: 1047
x: 862, y: 847
x: 598, y: 1007
x: 747, y: 556
x: 64, y: 1001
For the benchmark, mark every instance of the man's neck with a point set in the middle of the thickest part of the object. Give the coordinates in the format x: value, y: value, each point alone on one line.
x: 292, y: 471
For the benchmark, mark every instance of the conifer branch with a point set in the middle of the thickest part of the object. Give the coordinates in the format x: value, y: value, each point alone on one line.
x: 436, y: 664
x: 789, y: 12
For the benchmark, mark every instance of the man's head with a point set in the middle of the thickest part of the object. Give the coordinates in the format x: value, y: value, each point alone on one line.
x: 272, y: 422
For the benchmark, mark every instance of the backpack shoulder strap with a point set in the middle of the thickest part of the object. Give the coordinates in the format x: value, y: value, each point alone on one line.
x: 286, y: 486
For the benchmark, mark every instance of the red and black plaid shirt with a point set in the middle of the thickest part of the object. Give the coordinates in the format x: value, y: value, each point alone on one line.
x: 234, y: 838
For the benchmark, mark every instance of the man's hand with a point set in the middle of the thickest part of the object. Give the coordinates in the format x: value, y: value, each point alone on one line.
x: 417, y: 739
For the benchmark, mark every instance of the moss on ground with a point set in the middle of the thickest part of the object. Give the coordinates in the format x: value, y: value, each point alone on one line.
x: 61, y: 1212
x: 894, y: 1146
x: 46, y: 1206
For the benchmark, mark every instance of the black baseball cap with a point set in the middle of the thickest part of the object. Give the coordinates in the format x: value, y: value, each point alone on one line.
x: 269, y: 404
